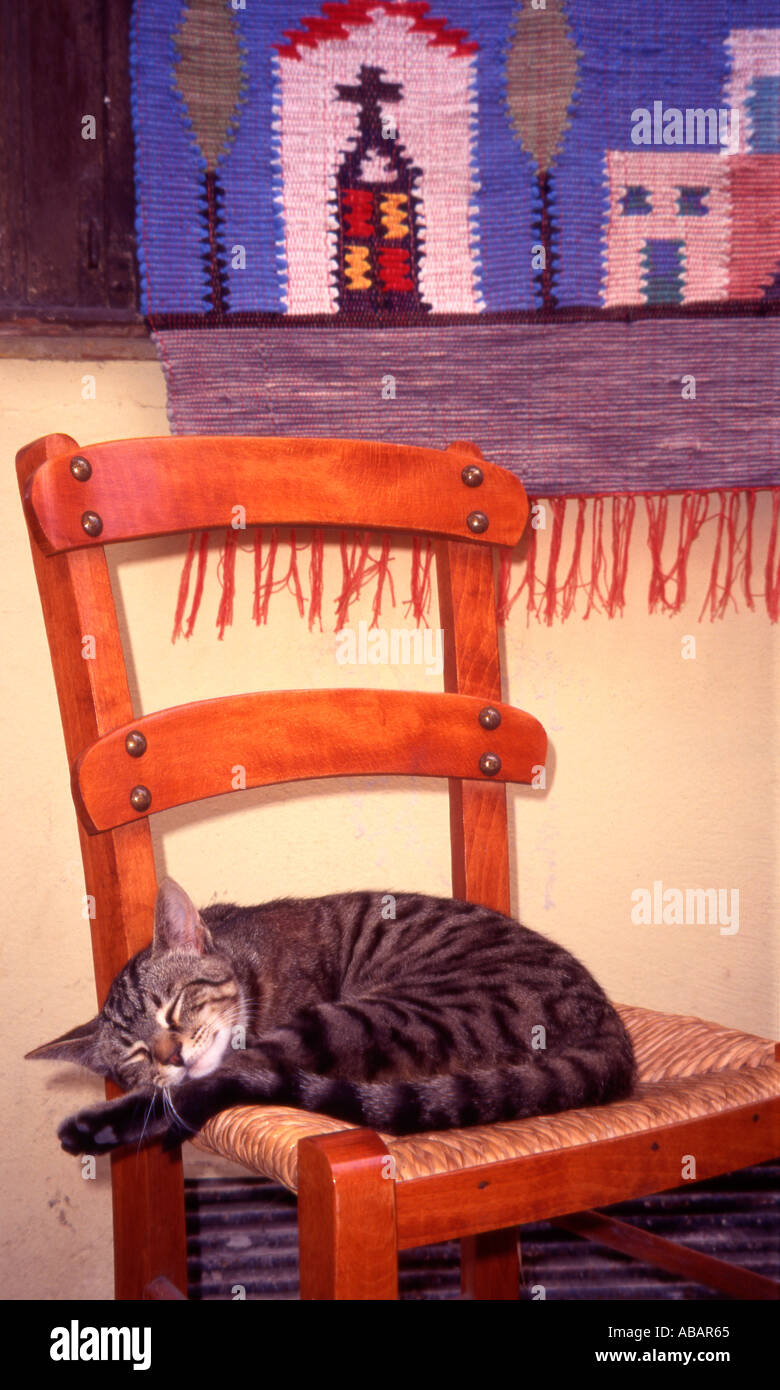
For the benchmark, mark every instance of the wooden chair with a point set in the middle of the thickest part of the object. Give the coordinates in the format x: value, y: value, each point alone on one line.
x: 705, y: 1092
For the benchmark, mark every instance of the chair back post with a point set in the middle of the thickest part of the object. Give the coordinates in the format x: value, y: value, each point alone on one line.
x: 136, y: 488
x: 94, y: 697
x: 478, y: 810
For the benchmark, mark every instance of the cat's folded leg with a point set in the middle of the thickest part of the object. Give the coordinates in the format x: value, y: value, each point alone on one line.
x: 140, y: 1115
x: 150, y: 1113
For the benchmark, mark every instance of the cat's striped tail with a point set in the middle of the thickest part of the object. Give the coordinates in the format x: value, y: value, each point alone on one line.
x: 585, y: 1075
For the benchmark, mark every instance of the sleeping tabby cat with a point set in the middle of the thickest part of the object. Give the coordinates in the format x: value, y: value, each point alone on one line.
x: 447, y: 1014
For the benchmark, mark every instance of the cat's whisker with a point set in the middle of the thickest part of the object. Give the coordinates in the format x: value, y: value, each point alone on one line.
x: 149, y: 1109
x: 170, y: 1108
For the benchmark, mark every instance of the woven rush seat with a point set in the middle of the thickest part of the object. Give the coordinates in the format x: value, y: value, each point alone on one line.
x: 687, y: 1068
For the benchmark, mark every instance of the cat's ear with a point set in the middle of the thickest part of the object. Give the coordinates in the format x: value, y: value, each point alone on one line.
x: 178, y: 926
x: 79, y: 1045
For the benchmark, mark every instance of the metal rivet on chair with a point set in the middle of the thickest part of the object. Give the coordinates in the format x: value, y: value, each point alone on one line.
x: 140, y: 798
x: 81, y: 468
x: 477, y: 522
x: 489, y: 718
x: 472, y: 475
x: 92, y: 523
x: 135, y: 743
x: 490, y: 764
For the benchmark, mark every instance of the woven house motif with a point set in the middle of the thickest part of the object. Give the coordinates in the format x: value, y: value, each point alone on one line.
x: 689, y: 226
x: 378, y: 244
x: 375, y: 180
x: 668, y: 233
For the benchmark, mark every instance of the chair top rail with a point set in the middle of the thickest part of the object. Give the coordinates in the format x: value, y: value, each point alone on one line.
x: 127, y: 489
x: 211, y: 747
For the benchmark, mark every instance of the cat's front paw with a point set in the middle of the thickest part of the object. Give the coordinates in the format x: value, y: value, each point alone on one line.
x: 101, y: 1128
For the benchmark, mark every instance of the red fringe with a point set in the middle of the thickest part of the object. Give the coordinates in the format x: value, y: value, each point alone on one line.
x: 184, y: 588
x: 353, y: 566
x: 264, y: 575
x: 717, y: 605
x: 315, y: 580
x: 530, y: 577
x: 597, y: 556
x: 623, y: 509
x: 200, y: 580
x: 226, y: 574
x: 772, y: 573
x: 293, y: 579
x: 359, y: 568
x: 382, y: 573
x: 750, y: 500
x: 505, y: 603
x: 694, y: 511
x: 550, y: 607
x: 420, y: 599
x: 604, y: 581
x: 258, y: 549
x: 572, y: 580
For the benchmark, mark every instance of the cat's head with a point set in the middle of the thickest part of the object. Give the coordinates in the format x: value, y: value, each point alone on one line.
x: 170, y: 1012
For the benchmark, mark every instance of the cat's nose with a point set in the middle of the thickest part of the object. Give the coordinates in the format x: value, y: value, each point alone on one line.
x: 167, y: 1049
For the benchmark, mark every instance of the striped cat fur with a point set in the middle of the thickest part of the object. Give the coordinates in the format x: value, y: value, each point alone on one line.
x: 401, y: 1012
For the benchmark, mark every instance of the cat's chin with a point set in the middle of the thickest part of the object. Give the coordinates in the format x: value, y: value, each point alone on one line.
x: 209, y: 1060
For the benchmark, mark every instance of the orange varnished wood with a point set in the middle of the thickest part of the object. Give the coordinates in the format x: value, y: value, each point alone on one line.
x: 479, y: 837
x: 194, y: 751
x: 490, y: 1266
x: 119, y: 873
x: 677, y: 1259
x: 478, y: 814
x: 540, y: 1186
x: 346, y: 1218
x: 155, y: 487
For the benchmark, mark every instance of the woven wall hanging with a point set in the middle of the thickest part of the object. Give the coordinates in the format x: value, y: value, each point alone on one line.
x: 550, y: 227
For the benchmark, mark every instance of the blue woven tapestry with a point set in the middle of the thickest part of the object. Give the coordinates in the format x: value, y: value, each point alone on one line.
x: 551, y: 227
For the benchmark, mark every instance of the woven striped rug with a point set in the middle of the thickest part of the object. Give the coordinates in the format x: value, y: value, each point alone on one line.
x: 242, y: 1244
x: 548, y: 226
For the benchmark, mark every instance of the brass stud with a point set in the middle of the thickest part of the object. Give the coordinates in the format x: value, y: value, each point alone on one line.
x: 490, y: 764
x: 135, y: 743
x: 140, y: 798
x: 92, y: 523
x: 81, y: 468
x: 489, y: 717
x: 472, y: 475
x: 477, y: 522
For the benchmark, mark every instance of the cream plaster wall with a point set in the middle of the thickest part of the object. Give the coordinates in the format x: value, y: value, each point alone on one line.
x: 661, y: 768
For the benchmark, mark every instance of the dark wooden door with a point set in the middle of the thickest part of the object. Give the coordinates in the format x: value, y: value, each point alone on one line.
x: 67, y: 244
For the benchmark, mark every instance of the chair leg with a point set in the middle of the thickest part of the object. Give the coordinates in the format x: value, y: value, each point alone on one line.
x: 490, y: 1266
x: 346, y: 1218
x: 150, y: 1241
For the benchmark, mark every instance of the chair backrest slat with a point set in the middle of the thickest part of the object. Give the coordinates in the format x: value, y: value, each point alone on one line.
x: 161, y: 486
x: 213, y: 747
x: 155, y: 487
